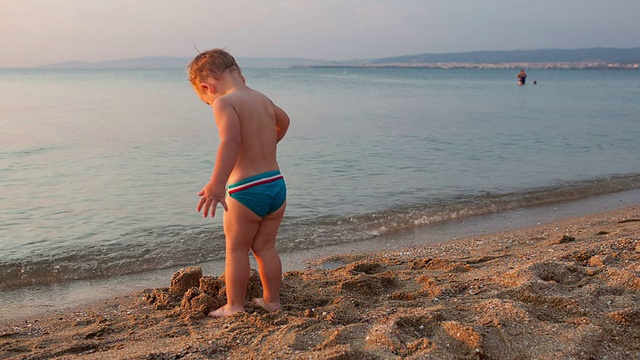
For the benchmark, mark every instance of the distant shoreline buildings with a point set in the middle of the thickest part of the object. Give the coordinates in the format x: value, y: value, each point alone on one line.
x: 508, y: 65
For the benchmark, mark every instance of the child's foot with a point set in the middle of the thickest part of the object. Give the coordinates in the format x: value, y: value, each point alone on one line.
x: 271, y: 307
x: 225, y: 310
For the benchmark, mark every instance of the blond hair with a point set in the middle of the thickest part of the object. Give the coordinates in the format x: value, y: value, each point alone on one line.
x: 210, y: 64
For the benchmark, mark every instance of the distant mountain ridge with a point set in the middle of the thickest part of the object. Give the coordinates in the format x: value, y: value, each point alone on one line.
x: 625, y: 56
x: 595, y: 55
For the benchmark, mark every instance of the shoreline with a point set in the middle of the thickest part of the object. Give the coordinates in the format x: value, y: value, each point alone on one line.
x: 40, y: 300
x: 568, y: 287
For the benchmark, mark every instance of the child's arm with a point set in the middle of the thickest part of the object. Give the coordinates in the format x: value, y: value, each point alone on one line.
x: 282, y: 122
x: 228, y: 125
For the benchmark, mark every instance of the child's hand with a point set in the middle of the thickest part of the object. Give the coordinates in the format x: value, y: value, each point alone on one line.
x: 211, y: 196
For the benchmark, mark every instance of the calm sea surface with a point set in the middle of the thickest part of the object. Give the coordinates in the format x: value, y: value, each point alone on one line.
x: 99, y: 169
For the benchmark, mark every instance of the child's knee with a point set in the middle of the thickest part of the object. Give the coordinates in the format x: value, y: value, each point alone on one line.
x: 260, y: 250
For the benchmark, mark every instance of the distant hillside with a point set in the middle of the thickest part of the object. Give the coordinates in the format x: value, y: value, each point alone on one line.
x: 592, y: 55
x: 625, y: 56
x: 168, y: 62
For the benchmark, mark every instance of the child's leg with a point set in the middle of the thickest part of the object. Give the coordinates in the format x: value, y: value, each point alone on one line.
x: 268, y: 259
x: 240, y: 228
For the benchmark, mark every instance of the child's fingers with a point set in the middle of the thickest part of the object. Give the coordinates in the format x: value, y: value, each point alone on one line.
x: 208, y: 207
x: 205, y: 205
x: 212, y: 207
x: 200, y: 203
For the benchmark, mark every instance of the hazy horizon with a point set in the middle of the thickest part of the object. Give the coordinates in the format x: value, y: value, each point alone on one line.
x: 262, y: 61
x: 37, y: 32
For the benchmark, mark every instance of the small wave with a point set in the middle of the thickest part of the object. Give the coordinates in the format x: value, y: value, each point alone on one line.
x: 446, y: 209
x: 134, y: 252
x: 335, y: 230
x: 20, y: 153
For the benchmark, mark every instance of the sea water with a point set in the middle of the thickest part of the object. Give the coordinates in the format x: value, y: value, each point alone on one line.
x: 99, y: 169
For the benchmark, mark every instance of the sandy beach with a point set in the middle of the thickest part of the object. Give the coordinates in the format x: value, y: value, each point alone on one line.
x: 565, y: 290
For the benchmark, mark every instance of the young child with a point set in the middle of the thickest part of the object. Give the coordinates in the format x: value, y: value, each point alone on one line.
x: 249, y: 126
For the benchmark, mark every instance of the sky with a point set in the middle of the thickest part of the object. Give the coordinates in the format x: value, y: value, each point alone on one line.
x: 36, y: 32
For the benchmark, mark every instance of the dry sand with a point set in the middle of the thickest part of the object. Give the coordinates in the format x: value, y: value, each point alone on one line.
x: 566, y: 290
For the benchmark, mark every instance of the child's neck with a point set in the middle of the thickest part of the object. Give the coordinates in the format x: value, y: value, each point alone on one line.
x: 231, y: 81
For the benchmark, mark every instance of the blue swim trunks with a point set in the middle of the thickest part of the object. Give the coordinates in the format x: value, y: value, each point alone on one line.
x: 263, y: 193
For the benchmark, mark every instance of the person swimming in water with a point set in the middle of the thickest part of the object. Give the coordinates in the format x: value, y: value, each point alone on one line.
x: 522, y: 77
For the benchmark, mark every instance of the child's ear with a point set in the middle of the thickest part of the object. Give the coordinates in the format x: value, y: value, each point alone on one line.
x: 207, y: 87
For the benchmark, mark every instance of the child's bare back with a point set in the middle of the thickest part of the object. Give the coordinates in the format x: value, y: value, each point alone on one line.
x: 258, y: 138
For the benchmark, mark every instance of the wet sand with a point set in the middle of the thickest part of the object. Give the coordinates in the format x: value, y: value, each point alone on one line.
x: 564, y: 290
